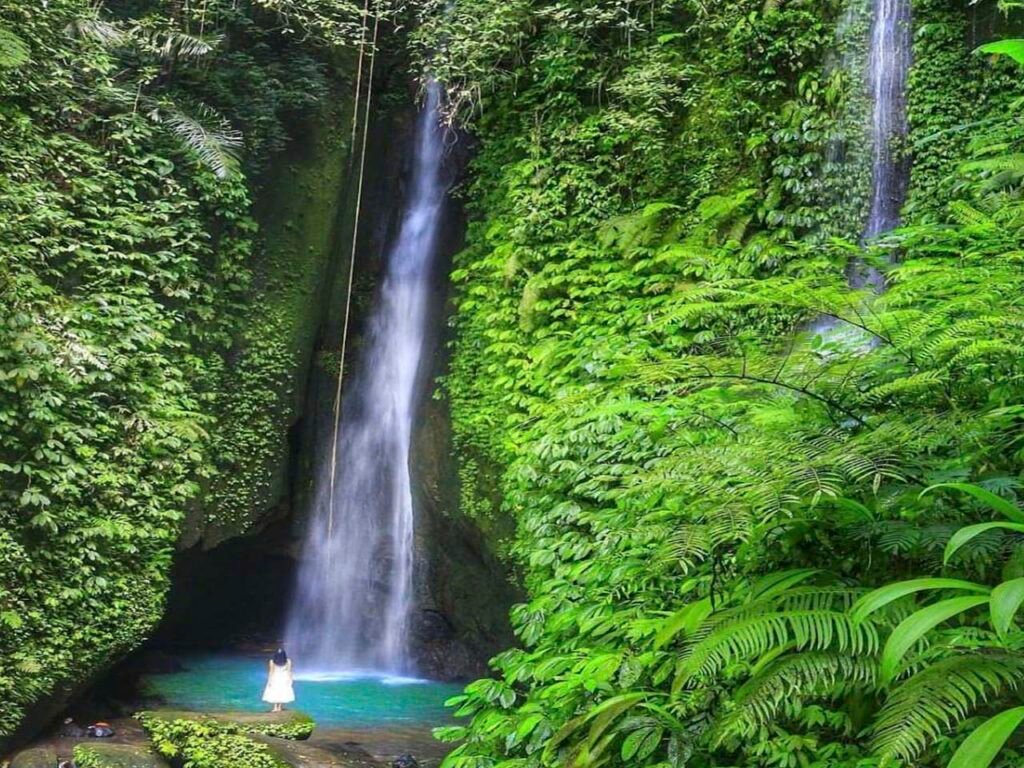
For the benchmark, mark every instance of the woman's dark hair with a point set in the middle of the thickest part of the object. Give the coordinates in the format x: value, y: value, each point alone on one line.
x: 280, y: 657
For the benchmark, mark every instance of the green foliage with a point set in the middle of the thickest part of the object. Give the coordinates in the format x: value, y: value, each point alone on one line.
x: 290, y: 724
x: 981, y: 747
x: 205, y: 743
x: 297, y: 726
x: 125, y: 270
x: 99, y: 754
x: 703, y: 474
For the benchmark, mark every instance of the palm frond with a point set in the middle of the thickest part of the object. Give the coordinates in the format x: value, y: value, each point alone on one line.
x: 107, y: 33
x: 209, y: 135
x: 185, y: 45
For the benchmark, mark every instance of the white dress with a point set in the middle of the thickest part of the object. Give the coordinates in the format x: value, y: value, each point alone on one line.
x: 279, y: 684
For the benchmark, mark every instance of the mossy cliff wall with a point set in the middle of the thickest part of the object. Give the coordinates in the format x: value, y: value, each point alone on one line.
x: 142, y: 315
x: 301, y: 211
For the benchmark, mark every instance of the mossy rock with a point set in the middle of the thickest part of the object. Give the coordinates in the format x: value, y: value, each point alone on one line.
x: 103, y: 755
x: 291, y: 724
x: 35, y: 757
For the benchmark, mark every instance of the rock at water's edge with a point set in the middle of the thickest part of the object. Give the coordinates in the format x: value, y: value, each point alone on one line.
x: 292, y: 724
x: 35, y: 757
x: 305, y: 755
x: 103, y: 755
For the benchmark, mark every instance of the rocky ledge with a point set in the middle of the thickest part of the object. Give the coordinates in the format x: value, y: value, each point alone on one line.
x: 170, y: 738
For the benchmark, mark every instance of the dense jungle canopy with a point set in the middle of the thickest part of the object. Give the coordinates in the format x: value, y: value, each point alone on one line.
x: 765, y: 515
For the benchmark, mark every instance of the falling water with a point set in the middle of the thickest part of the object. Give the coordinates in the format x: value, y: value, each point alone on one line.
x: 888, y: 66
x: 354, y: 590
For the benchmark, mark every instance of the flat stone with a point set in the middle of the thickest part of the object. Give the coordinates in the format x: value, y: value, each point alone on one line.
x: 269, y: 723
x: 384, y: 744
x: 103, y: 755
x: 298, y: 754
x: 35, y: 757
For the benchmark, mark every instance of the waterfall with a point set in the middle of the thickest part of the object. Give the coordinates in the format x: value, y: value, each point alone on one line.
x: 354, y: 589
x: 888, y: 65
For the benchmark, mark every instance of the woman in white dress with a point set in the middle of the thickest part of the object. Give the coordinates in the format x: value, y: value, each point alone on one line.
x: 279, y: 690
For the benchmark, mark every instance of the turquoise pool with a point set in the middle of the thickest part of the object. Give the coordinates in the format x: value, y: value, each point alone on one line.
x: 220, y: 683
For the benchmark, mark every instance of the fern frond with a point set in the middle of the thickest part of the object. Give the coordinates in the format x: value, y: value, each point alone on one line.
x: 935, y: 699
x: 754, y: 636
x: 794, y: 678
x: 14, y: 52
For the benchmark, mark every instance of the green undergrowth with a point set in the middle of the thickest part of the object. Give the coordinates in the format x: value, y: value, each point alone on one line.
x: 710, y: 444
x: 132, y: 135
x: 206, y: 743
x: 104, y: 755
x: 290, y: 724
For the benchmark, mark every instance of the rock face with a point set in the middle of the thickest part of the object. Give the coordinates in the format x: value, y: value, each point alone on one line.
x: 35, y: 757
x: 304, y: 755
x: 301, y: 210
x: 100, y: 755
x: 463, y: 590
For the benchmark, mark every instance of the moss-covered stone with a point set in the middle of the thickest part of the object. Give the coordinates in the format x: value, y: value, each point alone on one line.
x: 36, y: 757
x: 290, y: 724
x: 198, y: 741
x: 104, y: 755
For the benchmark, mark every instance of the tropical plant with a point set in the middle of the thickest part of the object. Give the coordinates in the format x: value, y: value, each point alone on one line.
x: 969, y: 670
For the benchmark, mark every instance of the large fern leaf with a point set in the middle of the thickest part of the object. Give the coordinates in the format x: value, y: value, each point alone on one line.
x: 933, y: 700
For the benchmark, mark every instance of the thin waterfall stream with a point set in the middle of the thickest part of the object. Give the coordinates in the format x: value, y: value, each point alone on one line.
x: 886, y: 72
x: 889, y: 60
x: 353, y: 596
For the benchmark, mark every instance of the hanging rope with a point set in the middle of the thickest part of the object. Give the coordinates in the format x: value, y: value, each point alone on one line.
x: 359, y: 82
x: 355, y: 237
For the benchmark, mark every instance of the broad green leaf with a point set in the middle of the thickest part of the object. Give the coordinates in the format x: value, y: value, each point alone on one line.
x: 1004, y: 603
x: 641, y: 743
x: 881, y: 597
x: 605, y: 713
x: 774, y: 583
x: 917, y: 625
x: 970, y: 532
x: 686, y: 619
x: 1012, y: 48
x: 563, y: 733
x: 998, y: 503
x: 980, y: 748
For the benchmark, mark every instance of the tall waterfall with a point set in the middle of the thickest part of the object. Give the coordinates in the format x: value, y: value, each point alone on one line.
x: 889, y: 56
x: 354, y: 590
